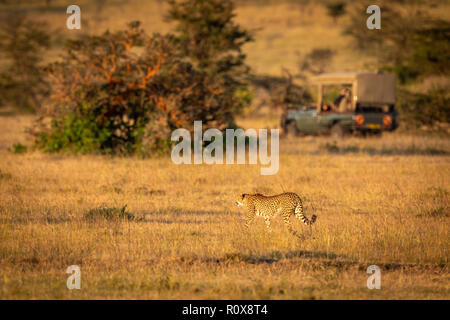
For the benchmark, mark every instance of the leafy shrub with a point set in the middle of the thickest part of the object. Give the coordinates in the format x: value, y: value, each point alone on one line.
x: 77, y: 134
x: 125, y: 92
x: 429, y: 108
x: 410, y: 43
x: 18, y: 148
x: 434, y: 213
x: 431, y: 52
x: 316, y: 61
x: 110, y: 214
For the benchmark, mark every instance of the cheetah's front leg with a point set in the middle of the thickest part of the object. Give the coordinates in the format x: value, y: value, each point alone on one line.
x: 267, y: 220
x: 250, y: 215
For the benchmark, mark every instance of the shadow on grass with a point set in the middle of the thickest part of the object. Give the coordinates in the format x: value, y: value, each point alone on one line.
x: 111, y: 213
x: 277, y: 256
x: 102, y: 213
x: 171, y: 221
x: 33, y: 220
x: 318, y: 260
x: 411, y: 150
x: 178, y: 215
x: 181, y: 211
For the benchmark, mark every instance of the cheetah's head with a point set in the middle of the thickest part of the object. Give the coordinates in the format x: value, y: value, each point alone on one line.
x: 240, y: 201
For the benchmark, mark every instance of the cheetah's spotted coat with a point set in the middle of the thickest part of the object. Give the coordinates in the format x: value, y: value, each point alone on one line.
x: 285, y: 204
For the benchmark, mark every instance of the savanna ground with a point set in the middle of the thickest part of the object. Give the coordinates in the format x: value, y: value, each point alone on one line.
x: 379, y: 201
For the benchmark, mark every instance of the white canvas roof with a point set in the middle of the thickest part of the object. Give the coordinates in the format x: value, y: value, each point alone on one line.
x: 369, y: 87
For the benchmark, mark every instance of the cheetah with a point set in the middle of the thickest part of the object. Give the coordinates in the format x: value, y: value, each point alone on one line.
x: 286, y: 204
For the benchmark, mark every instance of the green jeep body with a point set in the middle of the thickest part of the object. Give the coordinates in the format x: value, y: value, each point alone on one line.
x: 369, y: 106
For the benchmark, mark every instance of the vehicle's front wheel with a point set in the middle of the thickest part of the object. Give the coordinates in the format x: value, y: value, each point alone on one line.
x: 291, y: 129
x: 337, y: 131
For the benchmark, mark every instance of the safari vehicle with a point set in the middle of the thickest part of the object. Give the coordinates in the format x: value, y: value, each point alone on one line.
x: 366, y: 106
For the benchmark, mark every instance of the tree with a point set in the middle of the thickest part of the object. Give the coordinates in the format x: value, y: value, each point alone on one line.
x: 410, y: 43
x: 213, y: 43
x: 431, y: 49
x: 414, y: 46
x: 22, y: 42
x: 108, y: 97
x: 316, y: 61
x: 335, y: 10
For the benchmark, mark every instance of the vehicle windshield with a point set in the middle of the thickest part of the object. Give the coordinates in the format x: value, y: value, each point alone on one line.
x: 337, y: 98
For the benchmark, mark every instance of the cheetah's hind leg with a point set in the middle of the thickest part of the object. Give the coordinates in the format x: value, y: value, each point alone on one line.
x: 311, y: 222
x: 287, y: 222
x: 300, y: 214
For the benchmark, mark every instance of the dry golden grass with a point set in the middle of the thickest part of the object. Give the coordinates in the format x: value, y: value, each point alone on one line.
x: 385, y: 203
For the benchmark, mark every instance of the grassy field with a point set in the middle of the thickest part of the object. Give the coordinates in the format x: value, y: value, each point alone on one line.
x: 379, y: 201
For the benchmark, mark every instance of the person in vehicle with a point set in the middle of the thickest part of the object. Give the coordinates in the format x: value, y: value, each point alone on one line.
x: 341, y: 103
x: 326, y: 108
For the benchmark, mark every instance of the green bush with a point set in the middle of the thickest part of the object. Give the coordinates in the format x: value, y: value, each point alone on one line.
x: 424, y: 109
x: 316, y: 61
x: 110, y: 214
x: 76, y: 134
x: 18, y: 148
x: 410, y: 43
x: 212, y: 42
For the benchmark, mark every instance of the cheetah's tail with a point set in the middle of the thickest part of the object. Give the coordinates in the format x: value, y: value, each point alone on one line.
x: 299, y: 214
